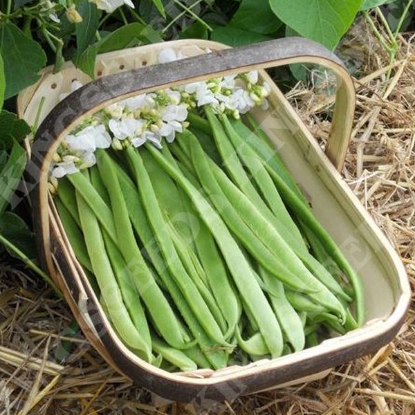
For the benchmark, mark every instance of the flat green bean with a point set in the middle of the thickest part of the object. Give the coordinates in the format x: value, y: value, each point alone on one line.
x: 216, y: 356
x: 239, y: 268
x: 271, y: 237
x: 157, y: 305
x: 283, y: 221
x: 155, y: 216
x: 66, y: 194
x: 176, y: 357
x: 293, y: 197
x: 74, y: 234
x: 254, y: 346
x: 217, y: 184
x: 128, y: 291
x: 290, y: 322
x: 107, y: 282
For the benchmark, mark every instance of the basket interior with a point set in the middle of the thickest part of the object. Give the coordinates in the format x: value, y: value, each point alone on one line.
x: 332, y: 201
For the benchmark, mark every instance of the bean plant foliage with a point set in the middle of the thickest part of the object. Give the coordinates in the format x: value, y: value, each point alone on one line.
x: 37, y: 33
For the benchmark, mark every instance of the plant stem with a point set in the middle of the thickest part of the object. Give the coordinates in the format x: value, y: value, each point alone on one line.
x: 49, y: 36
x: 402, y: 18
x: 137, y: 17
x: 385, y: 23
x: 29, y: 263
x: 104, y: 19
x: 124, y: 19
x: 379, y: 35
x: 190, y: 11
x: 193, y: 14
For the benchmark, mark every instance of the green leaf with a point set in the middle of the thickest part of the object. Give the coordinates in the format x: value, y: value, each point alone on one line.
x: 196, y: 30
x: 86, y: 30
x: 256, y: 16
x: 4, y: 156
x: 20, y: 3
x: 324, y: 21
x: 160, y: 7
x: 16, y: 231
x: 2, y: 83
x: 236, y: 37
x: 11, y: 174
x: 22, y: 58
x: 126, y: 36
x: 86, y: 62
x: 11, y: 129
x: 370, y: 4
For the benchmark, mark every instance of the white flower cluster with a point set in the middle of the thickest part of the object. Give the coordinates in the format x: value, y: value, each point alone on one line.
x: 233, y: 94
x: 48, y: 9
x: 148, y: 117
x: 77, y: 150
x: 134, y: 121
x: 155, y: 116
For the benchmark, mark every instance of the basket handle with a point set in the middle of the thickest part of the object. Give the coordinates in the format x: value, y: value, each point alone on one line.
x: 109, y: 89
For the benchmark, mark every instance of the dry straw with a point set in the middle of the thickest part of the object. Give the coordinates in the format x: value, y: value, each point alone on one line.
x: 47, y: 369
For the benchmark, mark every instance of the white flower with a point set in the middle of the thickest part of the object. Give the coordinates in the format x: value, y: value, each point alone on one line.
x: 54, y: 17
x: 74, y: 86
x: 169, y: 55
x: 266, y: 89
x: 62, y: 169
x: 87, y: 159
x: 174, y: 113
x: 115, y: 110
x: 47, y: 8
x: 204, y: 95
x: 138, y: 141
x: 125, y: 128
x: 174, y: 96
x: 173, y: 117
x: 71, y: 164
x: 147, y: 135
x: 168, y: 130
x: 192, y: 87
x: 136, y: 102
x: 241, y: 101
x: 228, y: 82
x: 89, y: 139
x: 252, y: 77
x: 110, y: 5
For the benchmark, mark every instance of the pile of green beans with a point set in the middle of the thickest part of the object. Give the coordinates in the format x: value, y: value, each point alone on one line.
x: 205, y: 253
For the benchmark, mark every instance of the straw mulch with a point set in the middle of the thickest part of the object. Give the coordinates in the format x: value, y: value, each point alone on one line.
x: 47, y: 368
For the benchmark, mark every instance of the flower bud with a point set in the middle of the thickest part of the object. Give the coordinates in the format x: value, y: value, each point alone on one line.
x: 73, y: 15
x: 154, y: 128
x: 53, y: 181
x: 255, y: 97
x: 68, y: 158
x: 116, y: 144
x: 52, y: 188
x: 56, y: 158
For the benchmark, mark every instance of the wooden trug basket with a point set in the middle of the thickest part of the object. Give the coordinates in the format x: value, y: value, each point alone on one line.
x: 129, y: 72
